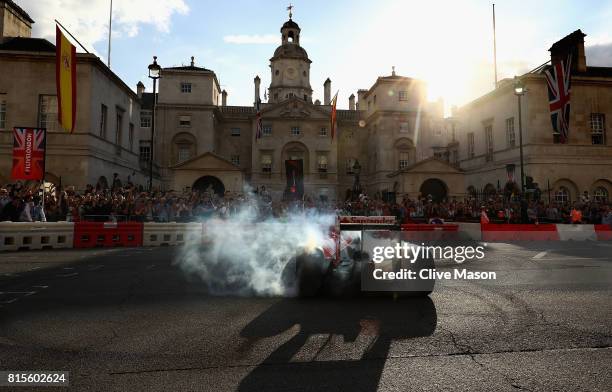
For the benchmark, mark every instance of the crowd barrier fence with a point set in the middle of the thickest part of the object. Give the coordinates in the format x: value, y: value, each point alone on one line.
x: 36, y: 235
x: 107, y: 234
x: 55, y: 235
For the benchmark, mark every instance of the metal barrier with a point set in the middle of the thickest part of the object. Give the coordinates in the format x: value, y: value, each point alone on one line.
x: 35, y: 235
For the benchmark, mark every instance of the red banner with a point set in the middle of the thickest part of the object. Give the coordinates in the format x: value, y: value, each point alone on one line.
x: 29, y: 153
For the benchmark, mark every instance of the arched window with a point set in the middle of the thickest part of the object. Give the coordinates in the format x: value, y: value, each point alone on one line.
x: 600, y: 194
x: 562, y: 195
x: 184, y: 147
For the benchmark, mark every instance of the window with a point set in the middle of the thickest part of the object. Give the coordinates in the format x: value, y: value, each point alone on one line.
x: 600, y: 194
x: 489, y: 143
x: 305, y: 97
x: 266, y: 163
x: 119, y: 127
x: 295, y: 131
x: 235, y: 131
x: 404, y: 159
x: 404, y: 127
x: 510, y: 135
x: 145, y: 119
x: 323, y: 131
x: 403, y: 95
x: 562, y: 195
x: 2, y: 111
x: 598, y: 130
x: 184, y: 152
x: 470, y: 144
x: 145, y: 152
x: 455, y: 157
x: 556, y: 137
x: 184, y: 121
x: 350, y: 163
x: 131, y: 137
x: 374, y: 100
x: 185, y: 87
x: 103, y: 117
x: 235, y: 160
x: 322, y: 163
x: 267, y: 130
x: 47, y: 112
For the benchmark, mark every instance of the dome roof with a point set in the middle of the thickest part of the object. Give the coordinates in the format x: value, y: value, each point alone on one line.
x: 290, y: 24
x: 292, y: 51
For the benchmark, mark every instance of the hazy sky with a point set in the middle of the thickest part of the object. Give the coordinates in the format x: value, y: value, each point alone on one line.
x: 449, y: 44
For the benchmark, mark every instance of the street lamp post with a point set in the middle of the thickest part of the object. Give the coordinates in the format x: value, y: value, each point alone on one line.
x: 154, y: 73
x: 519, y: 91
x: 356, y: 185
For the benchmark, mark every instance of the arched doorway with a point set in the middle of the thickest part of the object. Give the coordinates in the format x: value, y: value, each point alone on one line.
x: 208, y: 183
x: 434, y: 187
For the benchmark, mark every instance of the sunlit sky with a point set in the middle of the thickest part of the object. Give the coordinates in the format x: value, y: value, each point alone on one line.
x: 449, y: 44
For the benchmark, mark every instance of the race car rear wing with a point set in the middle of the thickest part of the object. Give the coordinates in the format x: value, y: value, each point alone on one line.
x: 358, y: 223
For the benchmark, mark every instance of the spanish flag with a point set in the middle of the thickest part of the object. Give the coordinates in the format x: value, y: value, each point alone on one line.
x: 332, y: 126
x: 65, y: 80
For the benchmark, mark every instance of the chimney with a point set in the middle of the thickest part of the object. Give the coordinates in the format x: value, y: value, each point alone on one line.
x: 257, y: 84
x: 327, y: 92
x: 317, y: 102
x: 574, y: 44
x: 360, y: 100
x: 352, y: 102
x: 140, y: 89
x: 223, y: 98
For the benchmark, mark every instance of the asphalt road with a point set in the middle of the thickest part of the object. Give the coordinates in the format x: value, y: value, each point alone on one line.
x: 129, y: 319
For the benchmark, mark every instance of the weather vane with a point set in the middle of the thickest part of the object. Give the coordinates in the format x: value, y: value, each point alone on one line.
x: 290, y: 9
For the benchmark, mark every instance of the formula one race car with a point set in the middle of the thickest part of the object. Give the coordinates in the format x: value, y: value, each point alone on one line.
x: 343, y: 265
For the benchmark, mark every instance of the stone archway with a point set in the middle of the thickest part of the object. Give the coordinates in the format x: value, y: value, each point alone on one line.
x: 434, y: 187
x: 206, y: 183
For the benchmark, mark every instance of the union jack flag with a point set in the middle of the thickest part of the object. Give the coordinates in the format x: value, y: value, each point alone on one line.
x: 29, y: 153
x: 259, y: 130
x: 559, y: 85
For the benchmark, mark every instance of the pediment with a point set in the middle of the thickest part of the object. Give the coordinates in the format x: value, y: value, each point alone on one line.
x: 430, y: 165
x: 207, y: 161
x: 294, y: 108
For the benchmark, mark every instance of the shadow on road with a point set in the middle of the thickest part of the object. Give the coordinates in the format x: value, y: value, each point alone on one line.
x: 383, y: 319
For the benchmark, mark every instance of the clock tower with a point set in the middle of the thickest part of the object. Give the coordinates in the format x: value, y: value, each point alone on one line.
x: 290, y: 67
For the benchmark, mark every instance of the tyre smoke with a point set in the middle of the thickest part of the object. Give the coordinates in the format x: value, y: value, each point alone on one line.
x: 246, y: 256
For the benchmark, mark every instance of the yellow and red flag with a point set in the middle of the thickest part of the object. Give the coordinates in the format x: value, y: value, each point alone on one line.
x: 332, y: 126
x: 65, y: 80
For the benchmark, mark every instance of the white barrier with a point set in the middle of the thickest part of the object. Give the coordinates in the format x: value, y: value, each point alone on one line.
x: 163, y: 234
x: 577, y: 232
x: 36, y: 235
x: 469, y: 231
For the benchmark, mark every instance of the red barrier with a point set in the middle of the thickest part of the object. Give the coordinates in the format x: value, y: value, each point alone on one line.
x: 604, y: 232
x: 518, y: 232
x: 429, y: 232
x: 107, y: 234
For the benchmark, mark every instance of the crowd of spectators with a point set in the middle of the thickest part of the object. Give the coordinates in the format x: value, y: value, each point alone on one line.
x: 19, y: 202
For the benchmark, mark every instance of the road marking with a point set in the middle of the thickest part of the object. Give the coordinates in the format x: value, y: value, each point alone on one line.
x: 150, y: 266
x: 67, y: 275
x: 18, y: 292
x: 540, y: 255
x: 95, y: 267
x: 10, y: 301
x: 41, y: 287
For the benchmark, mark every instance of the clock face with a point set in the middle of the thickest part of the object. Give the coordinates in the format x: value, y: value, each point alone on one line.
x: 291, y: 73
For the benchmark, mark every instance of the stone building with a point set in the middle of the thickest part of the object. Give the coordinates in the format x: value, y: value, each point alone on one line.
x: 390, y: 129
x: 105, y: 140
x: 488, y: 133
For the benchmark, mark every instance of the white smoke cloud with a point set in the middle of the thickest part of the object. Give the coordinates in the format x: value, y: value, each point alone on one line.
x: 245, y: 257
x: 88, y: 20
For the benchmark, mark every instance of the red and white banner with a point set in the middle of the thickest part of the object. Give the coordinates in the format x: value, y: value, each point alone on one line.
x: 29, y: 153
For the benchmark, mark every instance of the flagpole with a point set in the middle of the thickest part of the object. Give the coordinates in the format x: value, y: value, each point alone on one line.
x: 494, y: 47
x: 72, y: 36
x: 110, y: 26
